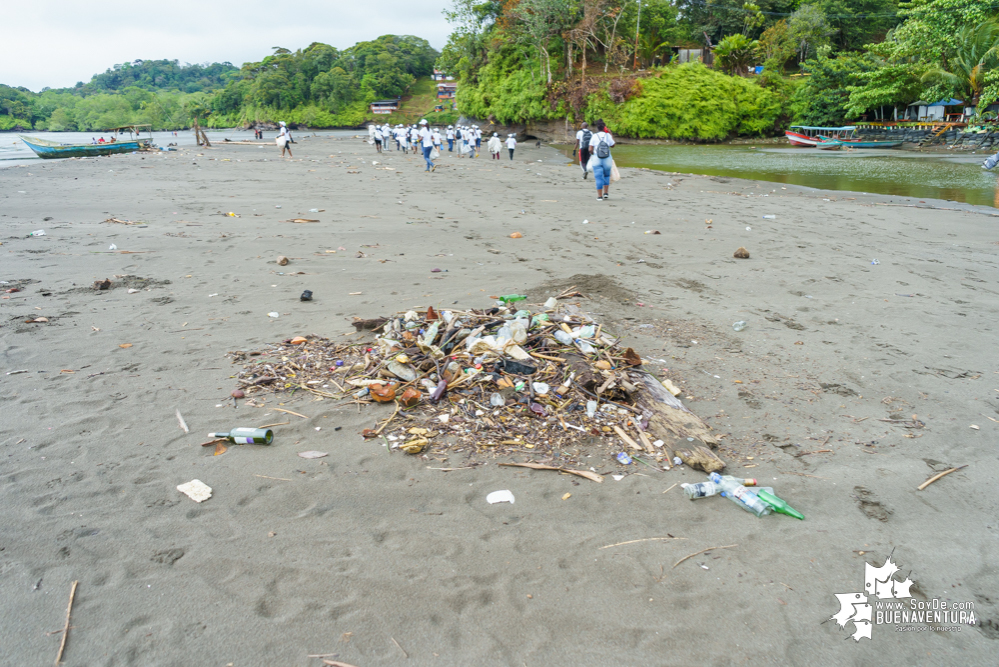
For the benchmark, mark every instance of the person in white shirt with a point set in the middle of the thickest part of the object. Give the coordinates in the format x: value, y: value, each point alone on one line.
x: 284, y: 139
x: 376, y: 134
x: 511, y: 144
x: 600, y: 145
x: 437, y: 138
x: 583, y: 147
x: 450, y: 139
x: 478, y: 137
x: 426, y: 139
x: 495, y: 146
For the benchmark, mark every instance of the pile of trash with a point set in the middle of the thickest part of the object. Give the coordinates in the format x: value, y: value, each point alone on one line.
x: 545, y: 380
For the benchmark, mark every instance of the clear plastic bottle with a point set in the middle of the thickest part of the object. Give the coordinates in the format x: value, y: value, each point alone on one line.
x: 497, y: 400
x: 740, y: 495
x: 584, y: 347
x: 563, y: 337
x: 739, y: 326
x: 707, y: 489
x: 591, y: 409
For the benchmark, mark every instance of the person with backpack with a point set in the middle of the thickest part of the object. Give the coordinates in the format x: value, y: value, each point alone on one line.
x: 583, y: 147
x: 600, y: 145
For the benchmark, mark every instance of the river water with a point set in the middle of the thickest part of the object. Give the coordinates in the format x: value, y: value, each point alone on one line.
x: 14, y: 152
x: 956, y: 177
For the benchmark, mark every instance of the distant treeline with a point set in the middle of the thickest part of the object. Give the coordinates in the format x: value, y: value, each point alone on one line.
x: 319, y: 86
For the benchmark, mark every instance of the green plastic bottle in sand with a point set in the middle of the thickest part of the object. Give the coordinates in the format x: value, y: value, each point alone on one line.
x: 779, y: 505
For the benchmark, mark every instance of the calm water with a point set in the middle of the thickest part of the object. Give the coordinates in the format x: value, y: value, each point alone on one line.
x: 888, y: 172
x: 14, y: 152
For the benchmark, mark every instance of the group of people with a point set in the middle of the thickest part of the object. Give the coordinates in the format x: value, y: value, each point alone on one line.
x: 467, y: 139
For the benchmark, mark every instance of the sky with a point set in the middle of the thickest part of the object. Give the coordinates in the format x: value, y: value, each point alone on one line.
x: 55, y: 43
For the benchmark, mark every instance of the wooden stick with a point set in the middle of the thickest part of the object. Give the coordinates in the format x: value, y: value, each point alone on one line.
x: 400, y: 647
x: 548, y: 357
x: 667, y: 490
x: 647, y: 539
x: 938, y: 476
x: 279, y: 478
x: 69, y: 610
x: 627, y: 438
x: 398, y: 406
x: 289, y: 412
x: 335, y: 663
x: 648, y: 443
x: 277, y: 424
x: 730, y: 546
x: 538, y: 466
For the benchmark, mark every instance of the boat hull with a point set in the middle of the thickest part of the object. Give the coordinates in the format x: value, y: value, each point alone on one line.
x: 50, y: 150
x: 830, y: 145
x: 800, y: 139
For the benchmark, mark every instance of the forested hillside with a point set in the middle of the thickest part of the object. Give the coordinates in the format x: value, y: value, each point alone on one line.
x: 319, y: 86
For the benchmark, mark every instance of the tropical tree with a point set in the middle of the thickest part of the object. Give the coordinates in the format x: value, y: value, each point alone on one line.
x: 810, y: 29
x: 963, y: 74
x: 735, y: 53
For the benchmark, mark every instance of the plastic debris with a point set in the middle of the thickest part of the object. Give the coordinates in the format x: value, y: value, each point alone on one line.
x: 504, y: 496
x: 196, y: 490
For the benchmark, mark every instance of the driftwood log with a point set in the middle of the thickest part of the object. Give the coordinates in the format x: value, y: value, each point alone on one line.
x: 673, y: 423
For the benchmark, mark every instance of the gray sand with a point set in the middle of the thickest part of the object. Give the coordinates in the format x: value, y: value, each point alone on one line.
x: 369, y: 556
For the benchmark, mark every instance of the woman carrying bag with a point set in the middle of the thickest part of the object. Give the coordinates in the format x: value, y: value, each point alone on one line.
x: 600, y: 158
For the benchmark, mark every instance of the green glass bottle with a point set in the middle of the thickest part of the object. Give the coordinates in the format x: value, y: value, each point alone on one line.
x: 247, y: 436
x: 779, y: 505
x: 512, y: 298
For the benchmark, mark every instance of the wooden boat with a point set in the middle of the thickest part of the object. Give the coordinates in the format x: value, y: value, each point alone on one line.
x: 826, y: 143
x: 830, y: 145
x: 46, y: 149
x: 806, y: 135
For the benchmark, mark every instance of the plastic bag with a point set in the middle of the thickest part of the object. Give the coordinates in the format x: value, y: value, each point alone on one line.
x: 592, y: 161
x: 615, y: 175
x: 434, y: 154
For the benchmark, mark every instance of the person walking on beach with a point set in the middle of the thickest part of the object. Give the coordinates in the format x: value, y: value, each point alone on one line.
x: 450, y: 139
x: 495, y: 146
x: 600, y: 145
x: 583, y: 147
x: 478, y: 138
x: 426, y: 138
x: 284, y: 139
x: 437, y: 139
x: 376, y: 134
x: 511, y: 144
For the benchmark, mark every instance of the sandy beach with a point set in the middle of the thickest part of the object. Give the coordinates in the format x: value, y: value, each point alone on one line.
x: 859, y: 309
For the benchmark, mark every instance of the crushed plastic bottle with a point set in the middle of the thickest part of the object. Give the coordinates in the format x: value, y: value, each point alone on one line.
x: 623, y: 458
x: 563, y: 337
x: 770, y: 217
x: 739, y: 326
x: 584, y: 347
x: 497, y: 400
x: 551, y: 303
x: 591, y: 409
x: 740, y: 495
x: 707, y: 489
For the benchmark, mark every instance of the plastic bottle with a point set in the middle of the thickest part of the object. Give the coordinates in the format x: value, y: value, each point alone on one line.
x: 740, y: 495
x: 778, y: 505
x: 591, y: 409
x: 563, y: 337
x: 507, y: 299
x: 551, y: 303
x: 739, y: 326
x: 584, y: 347
x: 623, y: 458
x: 247, y: 436
x: 707, y: 489
x: 770, y: 217
x: 497, y: 400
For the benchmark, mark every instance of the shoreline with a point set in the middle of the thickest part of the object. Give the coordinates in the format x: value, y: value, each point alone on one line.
x: 364, y: 554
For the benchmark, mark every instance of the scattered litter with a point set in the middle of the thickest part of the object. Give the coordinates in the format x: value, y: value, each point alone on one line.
x: 738, y: 326
x: 40, y: 232
x: 132, y: 290
x: 566, y: 496
x: 313, y: 455
x: 500, y: 497
x: 306, y: 295
x: 23, y: 370
x: 516, y: 235
x: 112, y: 247
x: 770, y: 217
x: 274, y: 314
x: 282, y: 260
x: 875, y: 262
x: 196, y: 490
x: 183, y: 424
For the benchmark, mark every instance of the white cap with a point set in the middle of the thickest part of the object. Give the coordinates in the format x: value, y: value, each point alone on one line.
x: 495, y: 134
x: 423, y: 121
x: 281, y: 123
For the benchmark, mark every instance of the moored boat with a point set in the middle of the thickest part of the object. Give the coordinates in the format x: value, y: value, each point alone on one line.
x: 808, y: 136
x: 46, y: 149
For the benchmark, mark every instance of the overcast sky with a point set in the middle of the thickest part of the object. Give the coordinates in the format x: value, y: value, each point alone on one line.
x: 56, y: 43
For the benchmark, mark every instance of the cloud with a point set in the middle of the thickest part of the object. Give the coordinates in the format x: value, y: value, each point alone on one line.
x: 55, y: 43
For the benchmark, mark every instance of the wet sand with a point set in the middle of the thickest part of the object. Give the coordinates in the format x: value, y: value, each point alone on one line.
x: 374, y: 558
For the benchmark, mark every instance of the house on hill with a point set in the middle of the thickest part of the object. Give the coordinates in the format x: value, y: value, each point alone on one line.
x: 384, y: 106
x: 447, y: 90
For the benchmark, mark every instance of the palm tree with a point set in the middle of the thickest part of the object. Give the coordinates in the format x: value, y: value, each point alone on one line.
x: 964, y: 73
x: 736, y: 53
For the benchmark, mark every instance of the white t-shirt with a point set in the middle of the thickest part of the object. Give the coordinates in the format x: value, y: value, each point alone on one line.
x: 579, y: 138
x: 597, y: 138
x: 478, y: 133
x: 426, y: 137
x: 511, y: 142
x: 450, y: 134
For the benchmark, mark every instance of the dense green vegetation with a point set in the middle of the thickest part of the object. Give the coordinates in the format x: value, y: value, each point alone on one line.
x: 319, y: 86
x: 824, y: 61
